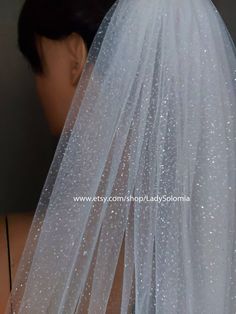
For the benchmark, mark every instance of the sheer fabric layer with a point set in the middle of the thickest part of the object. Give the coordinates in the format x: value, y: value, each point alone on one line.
x: 153, y: 115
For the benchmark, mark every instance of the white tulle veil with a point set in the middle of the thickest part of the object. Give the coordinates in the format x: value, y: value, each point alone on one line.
x: 154, y: 115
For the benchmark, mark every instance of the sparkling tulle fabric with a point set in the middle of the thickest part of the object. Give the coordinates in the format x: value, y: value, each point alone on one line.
x: 154, y: 115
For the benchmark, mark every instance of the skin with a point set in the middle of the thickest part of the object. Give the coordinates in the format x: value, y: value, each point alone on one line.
x: 63, y: 62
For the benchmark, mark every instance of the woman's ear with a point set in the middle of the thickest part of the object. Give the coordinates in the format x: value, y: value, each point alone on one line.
x: 78, y: 54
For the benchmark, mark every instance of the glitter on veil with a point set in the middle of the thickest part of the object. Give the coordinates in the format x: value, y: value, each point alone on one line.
x: 154, y: 115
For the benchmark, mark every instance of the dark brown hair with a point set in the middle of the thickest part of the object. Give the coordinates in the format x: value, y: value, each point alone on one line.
x: 57, y: 19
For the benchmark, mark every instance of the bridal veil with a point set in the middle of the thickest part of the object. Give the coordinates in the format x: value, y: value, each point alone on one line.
x: 147, y: 159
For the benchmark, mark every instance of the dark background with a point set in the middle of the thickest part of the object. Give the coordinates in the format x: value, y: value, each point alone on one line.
x: 26, y: 144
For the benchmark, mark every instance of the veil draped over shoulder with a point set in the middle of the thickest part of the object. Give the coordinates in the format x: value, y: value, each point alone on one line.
x: 147, y: 162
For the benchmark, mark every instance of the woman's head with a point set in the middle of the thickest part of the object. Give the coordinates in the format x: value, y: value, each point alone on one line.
x: 55, y: 36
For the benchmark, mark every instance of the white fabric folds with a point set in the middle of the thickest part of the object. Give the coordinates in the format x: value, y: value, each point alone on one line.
x: 154, y: 115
